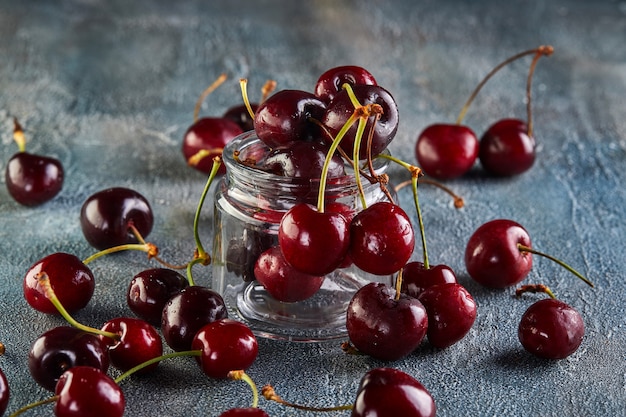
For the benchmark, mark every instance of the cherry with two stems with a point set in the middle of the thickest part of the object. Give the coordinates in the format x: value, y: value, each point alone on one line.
x: 32, y: 179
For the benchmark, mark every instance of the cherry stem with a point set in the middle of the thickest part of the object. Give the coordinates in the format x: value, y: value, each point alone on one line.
x: 240, y: 375
x: 458, y: 200
x: 542, y: 49
x: 398, y: 285
x: 243, y: 83
x: 269, y: 394
x: 205, y: 93
x: 3, y: 349
x: 149, y: 248
x: 44, y: 282
x: 420, y: 221
x: 154, y: 253
x: 266, y: 90
x: 523, y: 248
x: 534, y: 288
x: 196, y: 158
x: 355, y: 159
x: 156, y: 360
x: 18, y: 135
x: 34, y: 405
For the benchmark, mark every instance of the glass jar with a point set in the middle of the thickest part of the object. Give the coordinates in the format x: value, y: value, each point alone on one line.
x: 249, y: 204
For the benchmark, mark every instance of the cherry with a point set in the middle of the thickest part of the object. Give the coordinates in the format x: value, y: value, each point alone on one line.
x: 137, y: 343
x: 285, y: 117
x: 492, y: 255
x: 506, y: 148
x: 226, y: 345
x: 282, y: 281
x: 62, y: 348
x: 149, y: 291
x: 243, y: 252
x: 32, y: 179
x: 341, y: 108
x: 451, y: 313
x: 416, y: 277
x: 244, y: 412
x: 4, y: 393
x: 303, y: 160
x: 69, y: 277
x: 551, y: 329
x: 391, y: 392
x: 312, y: 241
x: 381, y: 238
x: 208, y: 135
x: 331, y: 81
x: 383, y: 324
x: 107, y: 217
x: 88, y: 392
x: 186, y: 312
x: 241, y: 116
x: 446, y: 151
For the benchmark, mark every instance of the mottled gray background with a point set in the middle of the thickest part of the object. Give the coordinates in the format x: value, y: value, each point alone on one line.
x: 109, y: 87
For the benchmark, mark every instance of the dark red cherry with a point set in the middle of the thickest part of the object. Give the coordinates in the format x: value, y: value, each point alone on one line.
x: 244, y: 412
x: 303, y: 160
x: 381, y: 238
x: 71, y: 280
x: 138, y: 342
x: 285, y: 117
x: 506, y: 148
x: 88, y: 392
x: 313, y: 242
x: 492, y: 256
x: 241, y: 116
x: 33, y: 179
x: 227, y: 345
x: 187, y: 312
x: 282, y: 281
x: 382, y: 326
x: 107, y: 215
x: 416, y: 278
x: 330, y: 82
x: 451, y: 313
x: 62, y: 348
x: 341, y: 108
x: 4, y: 393
x: 209, y: 134
x: 551, y: 329
x: 150, y: 290
x: 391, y: 392
x: 243, y: 252
x: 446, y: 151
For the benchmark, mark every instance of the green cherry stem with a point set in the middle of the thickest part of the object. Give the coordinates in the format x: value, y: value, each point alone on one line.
x: 355, y: 158
x: 240, y: 375
x: 149, y: 362
x: 34, y: 405
x: 18, y: 135
x: 44, y: 283
x: 523, y: 248
x: 269, y: 394
x: 420, y: 220
x: 149, y: 248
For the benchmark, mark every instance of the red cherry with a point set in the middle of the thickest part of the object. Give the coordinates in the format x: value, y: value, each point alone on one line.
x: 4, y: 393
x: 383, y: 326
x: 331, y: 81
x: 70, y: 279
x: 138, y: 342
x: 88, y: 392
x: 506, y: 148
x: 416, y: 278
x: 33, y: 179
x: 492, y: 255
x: 446, y: 151
x: 391, y: 392
x: 551, y: 329
x: 240, y: 115
x: 244, y: 412
x: 381, y: 239
x: 227, y: 345
x: 209, y: 134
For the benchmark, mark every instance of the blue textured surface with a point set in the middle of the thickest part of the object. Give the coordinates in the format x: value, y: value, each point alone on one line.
x: 109, y: 88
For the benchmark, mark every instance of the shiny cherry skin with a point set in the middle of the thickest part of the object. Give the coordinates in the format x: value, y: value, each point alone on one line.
x: 313, y: 242
x: 285, y: 117
x: 149, y: 291
x: 506, y: 149
x: 186, y: 312
x: 416, y: 278
x: 33, y: 179
x: 451, y: 313
x: 138, y: 342
x: 88, y: 392
x: 5, y: 393
x: 226, y: 345
x: 302, y: 159
x: 241, y: 116
x: 551, y: 329
x: 244, y: 412
x: 446, y: 151
x: 282, y: 281
x: 492, y: 256
x: 388, y: 392
x: 381, y: 238
x: 72, y: 282
x: 383, y: 327
x: 209, y: 134
x: 107, y: 215
x: 243, y: 252
x: 341, y: 108
x: 62, y: 348
x: 331, y: 81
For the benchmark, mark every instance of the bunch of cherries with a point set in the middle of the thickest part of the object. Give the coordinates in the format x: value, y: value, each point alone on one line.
x: 347, y: 120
